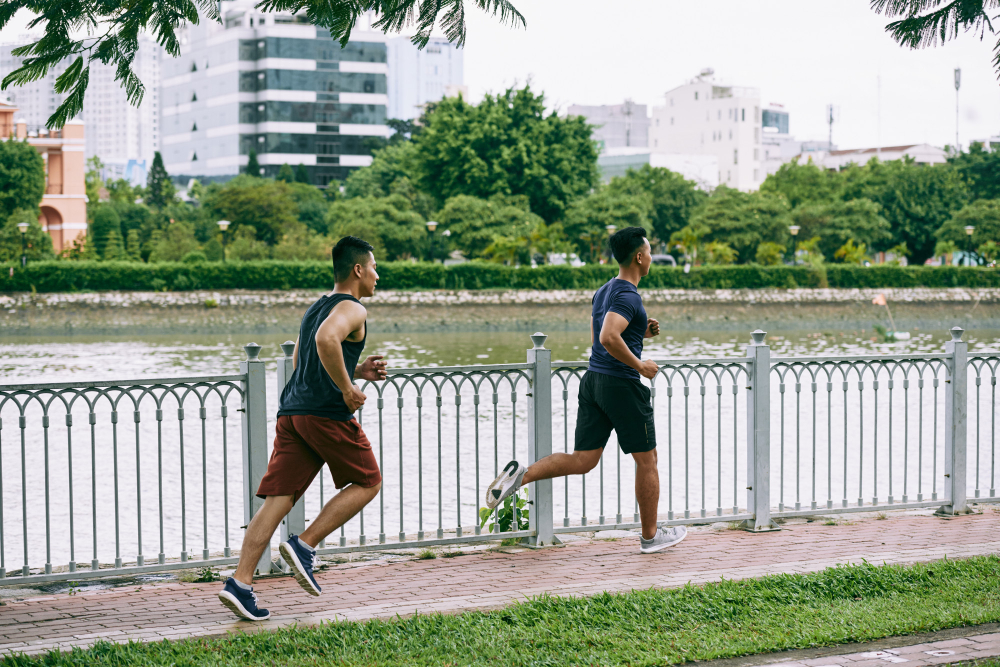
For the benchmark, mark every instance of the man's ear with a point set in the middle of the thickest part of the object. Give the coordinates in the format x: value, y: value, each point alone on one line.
x: 358, y: 270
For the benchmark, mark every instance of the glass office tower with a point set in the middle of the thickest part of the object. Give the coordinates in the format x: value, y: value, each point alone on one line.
x: 276, y: 85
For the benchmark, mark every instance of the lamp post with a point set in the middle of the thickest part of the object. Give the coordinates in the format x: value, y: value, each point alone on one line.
x: 223, y: 226
x: 431, y: 227
x: 969, y: 230
x: 794, y: 231
x: 23, y: 227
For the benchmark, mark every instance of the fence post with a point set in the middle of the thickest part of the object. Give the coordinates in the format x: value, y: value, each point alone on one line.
x: 540, y: 518
x: 254, y: 423
x: 956, y: 413
x: 295, y: 521
x: 759, y: 435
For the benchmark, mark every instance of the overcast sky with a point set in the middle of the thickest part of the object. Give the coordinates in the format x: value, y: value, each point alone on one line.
x: 803, y: 54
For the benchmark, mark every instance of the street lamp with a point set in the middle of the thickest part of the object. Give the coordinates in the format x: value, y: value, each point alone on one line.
x: 794, y: 231
x: 431, y: 227
x: 223, y: 226
x: 969, y: 229
x: 23, y: 227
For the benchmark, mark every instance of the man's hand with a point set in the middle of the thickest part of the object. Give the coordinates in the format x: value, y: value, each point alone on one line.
x: 372, y: 369
x: 355, y: 398
x: 648, y: 369
x: 652, y: 329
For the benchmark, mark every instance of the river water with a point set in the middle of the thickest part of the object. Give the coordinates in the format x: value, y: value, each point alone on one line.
x: 436, y: 463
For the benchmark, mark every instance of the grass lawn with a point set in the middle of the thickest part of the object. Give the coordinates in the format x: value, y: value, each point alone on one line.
x: 650, y: 627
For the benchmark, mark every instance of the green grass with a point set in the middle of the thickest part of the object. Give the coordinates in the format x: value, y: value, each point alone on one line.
x: 651, y: 627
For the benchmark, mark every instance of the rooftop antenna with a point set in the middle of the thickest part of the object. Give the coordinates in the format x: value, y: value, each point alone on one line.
x: 958, y: 84
x: 878, y: 127
x: 832, y: 114
x: 628, y: 121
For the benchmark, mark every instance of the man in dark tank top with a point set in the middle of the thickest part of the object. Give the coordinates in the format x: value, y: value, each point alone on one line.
x: 316, y: 425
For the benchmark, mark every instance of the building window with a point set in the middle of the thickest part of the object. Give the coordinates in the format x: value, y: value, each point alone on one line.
x: 730, y: 135
x: 744, y: 115
x: 194, y: 97
x: 656, y: 142
x: 736, y: 156
x: 696, y: 96
x: 756, y: 174
x: 720, y: 114
x: 756, y: 154
x: 671, y: 120
x: 671, y: 101
x: 194, y: 126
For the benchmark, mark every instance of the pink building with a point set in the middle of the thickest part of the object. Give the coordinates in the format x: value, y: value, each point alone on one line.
x: 64, y: 205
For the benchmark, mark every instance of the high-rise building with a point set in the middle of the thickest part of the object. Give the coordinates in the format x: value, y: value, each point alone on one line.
x: 277, y: 85
x: 777, y: 143
x: 123, y: 136
x: 705, y: 117
x: 419, y: 76
x: 623, y: 125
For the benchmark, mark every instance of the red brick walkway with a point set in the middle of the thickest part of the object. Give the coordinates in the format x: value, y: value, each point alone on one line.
x: 485, y: 579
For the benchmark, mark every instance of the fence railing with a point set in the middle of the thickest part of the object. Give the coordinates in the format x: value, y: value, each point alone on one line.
x: 741, y: 439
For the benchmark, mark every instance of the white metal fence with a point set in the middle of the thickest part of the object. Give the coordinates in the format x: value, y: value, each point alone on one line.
x: 739, y: 439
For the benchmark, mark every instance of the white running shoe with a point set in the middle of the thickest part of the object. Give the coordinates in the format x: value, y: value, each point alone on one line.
x: 505, y: 485
x: 662, y: 539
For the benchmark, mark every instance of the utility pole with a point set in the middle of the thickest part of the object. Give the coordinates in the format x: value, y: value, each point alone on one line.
x: 958, y: 84
x: 829, y: 120
x: 628, y: 122
x: 878, y: 128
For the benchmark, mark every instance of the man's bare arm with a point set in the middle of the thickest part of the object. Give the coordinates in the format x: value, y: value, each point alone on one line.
x: 611, y: 339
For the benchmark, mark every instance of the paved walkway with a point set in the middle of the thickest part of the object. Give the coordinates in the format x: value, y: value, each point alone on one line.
x: 490, y: 579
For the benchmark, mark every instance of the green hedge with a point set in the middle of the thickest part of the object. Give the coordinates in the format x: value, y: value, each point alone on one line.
x: 64, y: 276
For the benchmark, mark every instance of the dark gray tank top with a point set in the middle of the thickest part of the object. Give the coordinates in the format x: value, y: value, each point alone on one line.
x: 311, y: 390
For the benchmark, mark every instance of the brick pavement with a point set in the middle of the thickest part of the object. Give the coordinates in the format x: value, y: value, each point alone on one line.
x: 949, y: 651
x: 490, y: 579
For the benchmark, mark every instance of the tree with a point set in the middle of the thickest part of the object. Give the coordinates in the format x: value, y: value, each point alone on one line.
x: 133, y: 247
x: 105, y: 228
x: 744, y: 220
x: 159, y: 188
x: 301, y: 174
x: 38, y: 243
x: 285, y: 174
x: 312, y: 206
x: 672, y: 198
x: 586, y: 222
x: 849, y: 253
x: 980, y: 168
x: 475, y: 223
x: 22, y: 177
x: 505, y: 145
x: 928, y: 23
x: 769, y: 254
x: 265, y: 205
x: 984, y: 215
x: 917, y: 200
x: 92, y: 181
x: 718, y: 252
x: 388, y: 165
x: 803, y: 183
x: 301, y: 243
x: 253, y: 167
x: 389, y: 224
x: 245, y: 247
x: 176, y: 241
x: 116, y: 44
x: 837, y: 221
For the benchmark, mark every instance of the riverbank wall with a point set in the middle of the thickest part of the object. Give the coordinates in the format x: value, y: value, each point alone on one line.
x: 272, y: 311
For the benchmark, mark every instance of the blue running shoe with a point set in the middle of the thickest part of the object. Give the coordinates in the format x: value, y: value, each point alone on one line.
x: 242, y: 601
x: 301, y: 560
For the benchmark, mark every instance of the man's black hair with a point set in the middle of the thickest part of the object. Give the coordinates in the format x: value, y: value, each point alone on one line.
x: 624, y: 243
x: 348, y: 252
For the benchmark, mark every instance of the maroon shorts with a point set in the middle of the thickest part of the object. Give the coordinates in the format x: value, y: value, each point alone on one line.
x: 303, y: 443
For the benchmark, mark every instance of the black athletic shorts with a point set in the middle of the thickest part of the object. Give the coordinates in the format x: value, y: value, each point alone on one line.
x: 608, y: 402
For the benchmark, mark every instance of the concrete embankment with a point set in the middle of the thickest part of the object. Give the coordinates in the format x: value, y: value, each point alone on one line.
x: 247, y: 311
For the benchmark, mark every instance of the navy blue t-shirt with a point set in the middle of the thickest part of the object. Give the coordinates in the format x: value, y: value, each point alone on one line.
x: 618, y: 296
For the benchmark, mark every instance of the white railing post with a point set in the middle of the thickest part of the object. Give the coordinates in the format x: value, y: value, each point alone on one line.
x: 541, y: 517
x: 956, y: 413
x: 254, y: 441
x: 759, y: 435
x: 295, y: 521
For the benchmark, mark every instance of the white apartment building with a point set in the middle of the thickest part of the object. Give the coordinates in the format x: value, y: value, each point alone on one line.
x: 623, y: 125
x: 419, y: 76
x: 705, y: 117
x: 123, y: 136
x: 277, y: 85
x: 923, y: 154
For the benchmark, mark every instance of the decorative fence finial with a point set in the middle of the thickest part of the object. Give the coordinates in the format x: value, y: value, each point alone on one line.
x: 252, y: 350
x: 956, y: 333
x: 288, y: 347
x: 539, y: 340
x: 758, y: 337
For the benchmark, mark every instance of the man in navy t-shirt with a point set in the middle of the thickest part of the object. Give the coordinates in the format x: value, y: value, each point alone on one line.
x: 612, y: 395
